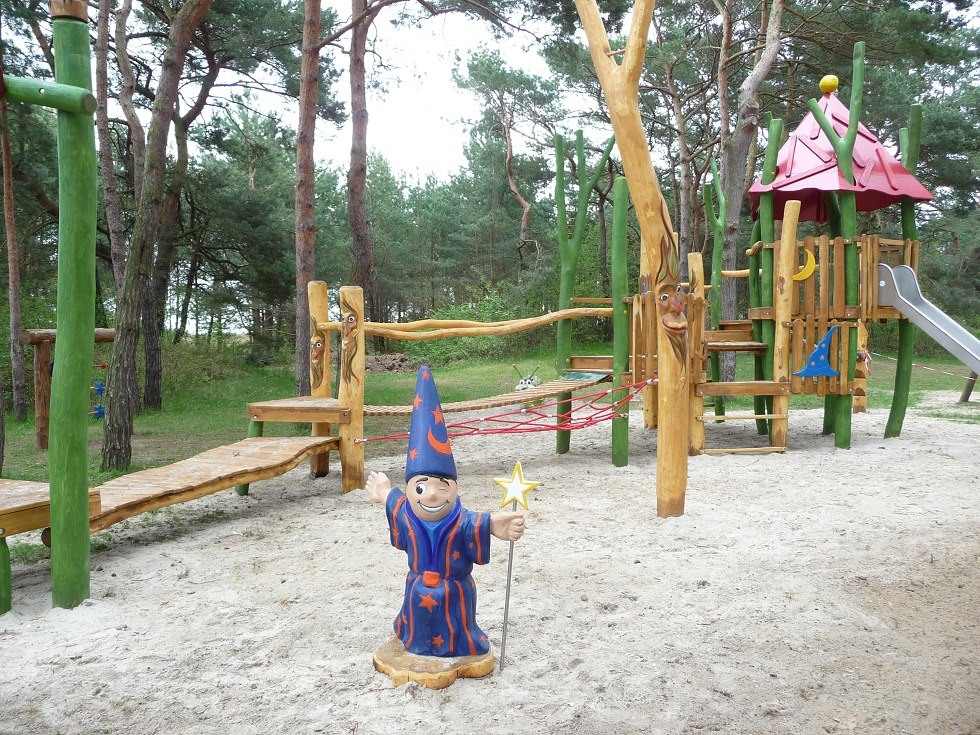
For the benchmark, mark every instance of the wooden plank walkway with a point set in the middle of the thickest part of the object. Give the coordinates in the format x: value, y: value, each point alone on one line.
x: 24, y: 506
x: 309, y: 409
x: 550, y: 389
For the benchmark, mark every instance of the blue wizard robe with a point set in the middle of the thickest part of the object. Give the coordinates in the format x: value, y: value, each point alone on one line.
x: 438, y: 615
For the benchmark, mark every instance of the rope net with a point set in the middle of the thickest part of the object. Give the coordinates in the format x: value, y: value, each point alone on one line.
x: 584, y: 411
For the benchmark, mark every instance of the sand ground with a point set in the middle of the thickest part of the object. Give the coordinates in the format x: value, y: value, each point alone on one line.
x: 824, y: 591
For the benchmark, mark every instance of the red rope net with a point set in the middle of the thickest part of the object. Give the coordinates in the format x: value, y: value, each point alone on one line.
x: 585, y: 411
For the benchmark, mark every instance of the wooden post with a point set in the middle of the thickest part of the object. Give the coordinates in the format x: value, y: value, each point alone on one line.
x: 350, y: 389
x: 42, y: 340
x: 620, y: 86
x: 695, y: 270
x: 968, y: 388
x: 860, y: 387
x: 909, y: 140
x: 767, y: 224
x: 620, y: 319
x: 319, y: 367
x: 568, y: 253
x: 42, y: 392
x: 717, y: 221
x: 77, y: 199
x: 255, y: 428
x: 6, y: 591
x: 758, y: 361
x: 785, y: 267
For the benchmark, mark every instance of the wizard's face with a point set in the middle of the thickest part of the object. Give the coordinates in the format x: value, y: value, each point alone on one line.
x: 670, y: 306
x: 430, y: 497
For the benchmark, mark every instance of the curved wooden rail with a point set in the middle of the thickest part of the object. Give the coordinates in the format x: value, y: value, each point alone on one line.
x: 446, y: 328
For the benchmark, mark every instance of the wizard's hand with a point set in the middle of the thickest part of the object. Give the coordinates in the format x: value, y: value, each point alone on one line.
x: 378, y: 486
x: 507, y: 526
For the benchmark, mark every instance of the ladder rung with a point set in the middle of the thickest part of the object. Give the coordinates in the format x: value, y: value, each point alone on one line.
x: 743, y: 416
x: 745, y: 450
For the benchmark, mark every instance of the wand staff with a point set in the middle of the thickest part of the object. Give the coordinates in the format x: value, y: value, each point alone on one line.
x: 516, y: 489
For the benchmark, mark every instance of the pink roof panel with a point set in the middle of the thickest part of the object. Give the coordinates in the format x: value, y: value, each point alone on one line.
x: 807, y: 168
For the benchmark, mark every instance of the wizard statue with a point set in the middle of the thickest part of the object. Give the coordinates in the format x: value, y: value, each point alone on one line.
x: 442, y: 539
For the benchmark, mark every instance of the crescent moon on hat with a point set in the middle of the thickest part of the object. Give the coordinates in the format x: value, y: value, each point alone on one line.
x: 443, y: 447
x: 807, y: 270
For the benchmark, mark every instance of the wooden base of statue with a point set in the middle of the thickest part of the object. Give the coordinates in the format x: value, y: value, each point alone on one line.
x: 433, y: 672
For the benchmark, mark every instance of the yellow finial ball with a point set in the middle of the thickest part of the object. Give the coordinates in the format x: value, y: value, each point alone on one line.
x: 829, y: 84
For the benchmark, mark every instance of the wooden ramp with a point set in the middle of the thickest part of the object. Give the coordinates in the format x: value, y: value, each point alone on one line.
x: 244, y: 462
x: 25, y: 506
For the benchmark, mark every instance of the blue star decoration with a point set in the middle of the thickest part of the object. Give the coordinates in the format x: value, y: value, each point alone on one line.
x: 818, y: 365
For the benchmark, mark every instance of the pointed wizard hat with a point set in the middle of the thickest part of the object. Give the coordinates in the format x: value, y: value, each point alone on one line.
x: 429, y: 450
x: 818, y: 364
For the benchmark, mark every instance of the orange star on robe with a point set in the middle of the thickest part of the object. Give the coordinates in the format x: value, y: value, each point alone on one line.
x: 428, y: 602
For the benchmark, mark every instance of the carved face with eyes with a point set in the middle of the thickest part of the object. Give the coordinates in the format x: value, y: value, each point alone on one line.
x: 670, y: 307
x: 430, y: 497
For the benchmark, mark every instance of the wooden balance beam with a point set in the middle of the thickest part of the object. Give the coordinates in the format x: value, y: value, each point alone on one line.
x: 25, y: 506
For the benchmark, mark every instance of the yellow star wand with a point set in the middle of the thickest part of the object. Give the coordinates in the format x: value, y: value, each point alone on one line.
x: 516, y: 489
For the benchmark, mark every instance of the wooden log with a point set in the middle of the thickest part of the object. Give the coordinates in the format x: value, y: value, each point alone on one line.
x: 42, y: 393
x: 316, y: 292
x: 62, y: 97
x: 39, y: 336
x: 6, y: 589
x: 746, y: 450
x: 427, y: 329
x: 785, y: 266
x: 77, y: 204
x: 745, y: 388
x: 741, y: 417
x: 350, y: 390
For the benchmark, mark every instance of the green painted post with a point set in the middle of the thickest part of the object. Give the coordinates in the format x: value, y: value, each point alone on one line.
x: 621, y: 323
x: 568, y: 252
x: 5, y: 583
x: 767, y: 233
x: 77, y: 199
x: 713, y: 191
x: 844, y: 150
x: 909, y: 139
x: 755, y: 288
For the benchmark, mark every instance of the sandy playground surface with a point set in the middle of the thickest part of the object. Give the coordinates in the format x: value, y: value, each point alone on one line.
x: 822, y: 591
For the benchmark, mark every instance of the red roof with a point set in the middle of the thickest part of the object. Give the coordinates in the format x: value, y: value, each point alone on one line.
x: 807, y: 167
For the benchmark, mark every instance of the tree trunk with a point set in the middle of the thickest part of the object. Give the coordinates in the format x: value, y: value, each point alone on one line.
x: 121, y: 399
x: 305, y: 196
x: 735, y: 150
x: 363, y: 236
x: 13, y: 272
x: 155, y: 299
x: 107, y: 167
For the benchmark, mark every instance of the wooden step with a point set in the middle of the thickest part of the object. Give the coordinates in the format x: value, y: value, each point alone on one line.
x: 592, y: 363
x: 735, y: 324
x: 744, y: 388
x: 741, y: 346
x: 729, y: 335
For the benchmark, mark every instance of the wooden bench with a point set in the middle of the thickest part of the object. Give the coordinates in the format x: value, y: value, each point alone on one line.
x: 26, y: 506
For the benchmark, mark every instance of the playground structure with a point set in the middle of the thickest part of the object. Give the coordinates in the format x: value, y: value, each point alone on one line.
x: 660, y: 340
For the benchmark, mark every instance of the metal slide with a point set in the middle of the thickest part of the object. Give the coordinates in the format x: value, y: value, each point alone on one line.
x: 898, y: 287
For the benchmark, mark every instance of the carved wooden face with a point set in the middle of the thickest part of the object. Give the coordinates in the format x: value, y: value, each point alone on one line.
x: 431, y: 498
x: 348, y: 328
x: 670, y: 307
